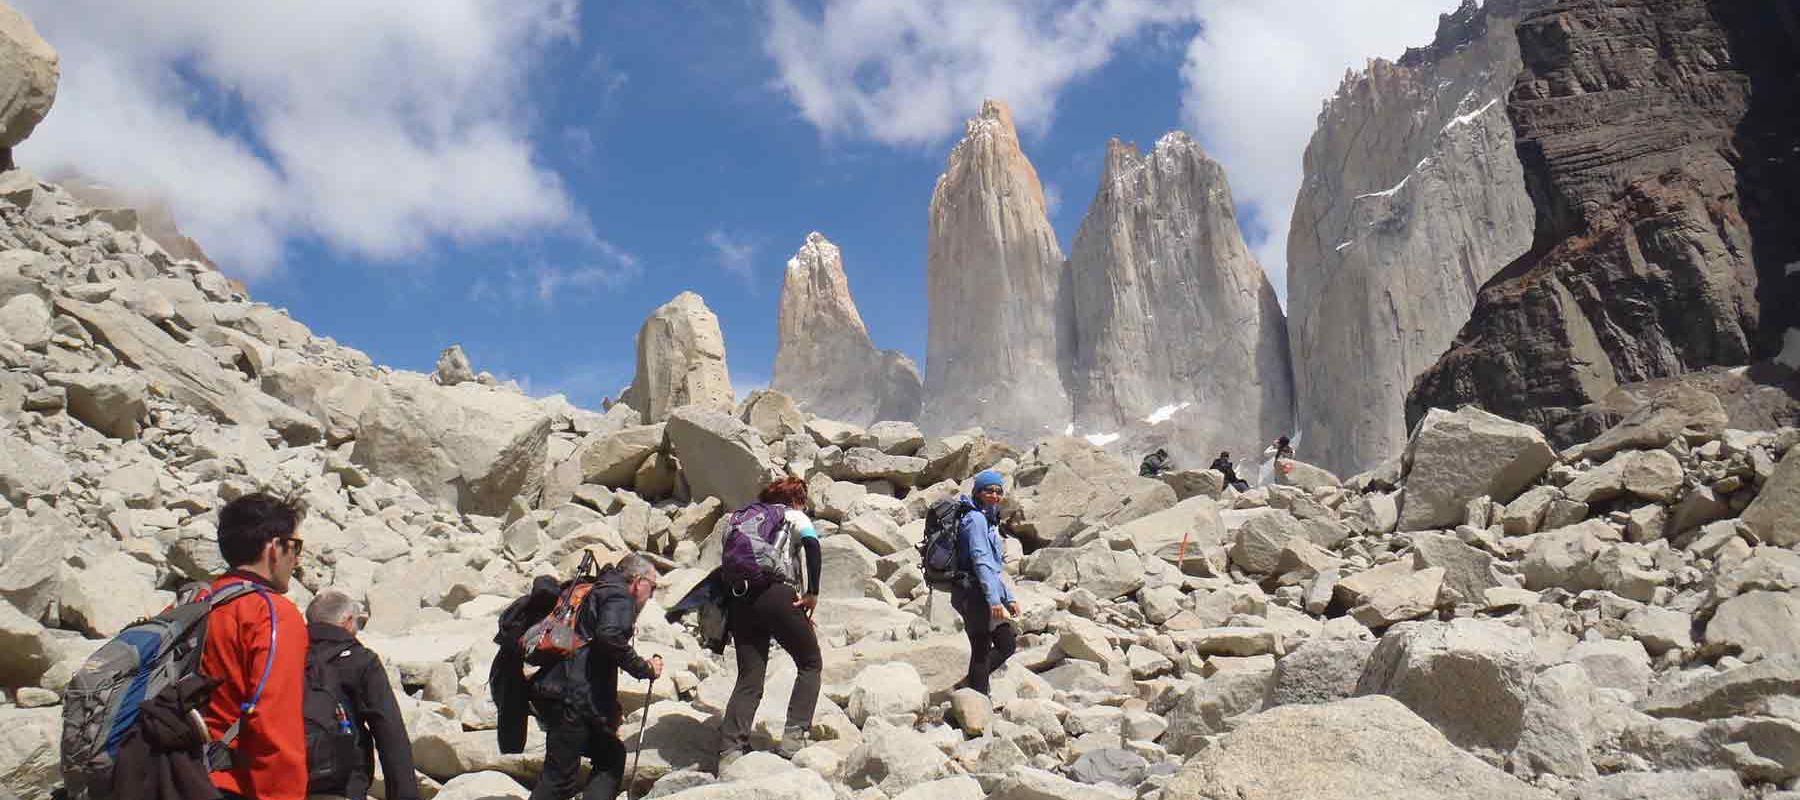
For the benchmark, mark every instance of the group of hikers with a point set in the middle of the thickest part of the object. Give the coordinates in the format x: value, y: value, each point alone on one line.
x: 220, y: 697
x: 1158, y: 462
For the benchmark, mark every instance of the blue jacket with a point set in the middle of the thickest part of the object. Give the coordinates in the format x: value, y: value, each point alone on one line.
x: 979, y: 538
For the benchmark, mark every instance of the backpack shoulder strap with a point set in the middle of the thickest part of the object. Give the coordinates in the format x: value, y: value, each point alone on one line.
x: 226, y: 594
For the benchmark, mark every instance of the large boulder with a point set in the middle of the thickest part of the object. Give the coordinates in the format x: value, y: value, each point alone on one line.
x: 1762, y: 688
x: 721, y: 456
x: 29, y: 71
x: 1348, y: 750
x: 334, y: 397
x: 113, y: 401
x: 108, y: 593
x: 612, y: 459
x: 884, y: 689
x: 1679, y: 412
x: 28, y: 471
x: 1768, y: 622
x: 1467, y: 677
x: 1160, y: 535
x: 1319, y: 671
x: 1775, y: 514
x: 892, y: 759
x: 466, y: 447
x: 30, y: 750
x: 26, y: 650
x: 1458, y: 456
x: 680, y: 361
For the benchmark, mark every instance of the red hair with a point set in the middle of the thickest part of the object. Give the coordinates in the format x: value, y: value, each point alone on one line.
x: 787, y: 492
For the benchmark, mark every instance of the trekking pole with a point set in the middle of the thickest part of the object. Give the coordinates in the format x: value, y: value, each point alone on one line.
x: 649, y: 697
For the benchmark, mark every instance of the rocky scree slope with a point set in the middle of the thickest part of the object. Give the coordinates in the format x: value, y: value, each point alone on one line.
x: 1490, y: 616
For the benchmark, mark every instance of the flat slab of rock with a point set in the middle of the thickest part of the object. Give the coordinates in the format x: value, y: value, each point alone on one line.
x: 1355, y: 749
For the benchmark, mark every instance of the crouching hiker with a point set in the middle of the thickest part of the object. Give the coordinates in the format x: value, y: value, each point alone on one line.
x: 762, y: 579
x: 350, y: 709
x: 581, y: 645
x: 984, y: 600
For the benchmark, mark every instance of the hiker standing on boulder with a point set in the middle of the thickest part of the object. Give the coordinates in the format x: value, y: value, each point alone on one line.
x: 985, y: 602
x: 764, y: 603
x: 577, y: 698
x: 368, y: 716
x: 256, y: 649
x: 1154, y: 464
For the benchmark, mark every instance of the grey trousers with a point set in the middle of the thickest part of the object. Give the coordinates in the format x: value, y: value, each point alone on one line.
x: 754, y: 622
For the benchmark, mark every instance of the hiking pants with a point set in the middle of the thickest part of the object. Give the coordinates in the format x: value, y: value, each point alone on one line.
x: 990, y: 644
x: 754, y: 621
x: 568, y: 737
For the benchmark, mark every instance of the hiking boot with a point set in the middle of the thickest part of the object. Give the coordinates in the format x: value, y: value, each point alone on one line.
x: 727, y: 758
x: 792, y: 742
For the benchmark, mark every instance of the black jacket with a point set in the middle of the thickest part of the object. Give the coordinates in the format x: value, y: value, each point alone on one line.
x: 363, y: 686
x: 1225, y: 467
x: 164, y: 755
x: 506, y: 678
x: 587, y: 682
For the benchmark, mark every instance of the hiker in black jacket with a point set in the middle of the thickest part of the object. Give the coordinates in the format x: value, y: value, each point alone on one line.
x: 332, y: 621
x: 577, y: 698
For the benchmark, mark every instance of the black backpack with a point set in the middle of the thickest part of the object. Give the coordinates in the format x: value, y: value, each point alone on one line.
x: 332, y: 754
x: 940, y: 556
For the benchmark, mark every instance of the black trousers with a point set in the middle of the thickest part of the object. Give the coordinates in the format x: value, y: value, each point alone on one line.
x: 755, y: 621
x: 990, y: 644
x: 570, y: 736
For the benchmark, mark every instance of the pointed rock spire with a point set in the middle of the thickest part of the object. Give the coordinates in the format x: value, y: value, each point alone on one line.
x: 825, y: 359
x: 1000, y: 327
x: 1176, y: 319
x: 680, y: 361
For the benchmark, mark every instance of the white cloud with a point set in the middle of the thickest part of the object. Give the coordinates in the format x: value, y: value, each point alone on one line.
x: 734, y: 254
x: 598, y: 265
x: 376, y: 128
x: 909, y: 73
x: 1255, y: 78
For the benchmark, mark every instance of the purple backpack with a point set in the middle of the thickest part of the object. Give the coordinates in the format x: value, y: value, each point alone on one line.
x: 758, y: 551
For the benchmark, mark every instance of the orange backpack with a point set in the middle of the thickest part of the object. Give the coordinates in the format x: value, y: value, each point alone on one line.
x: 556, y: 636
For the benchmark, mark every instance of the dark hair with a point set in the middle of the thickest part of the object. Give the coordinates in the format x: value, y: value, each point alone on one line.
x: 1224, y: 453
x: 787, y: 492
x: 249, y: 523
x: 1283, y: 440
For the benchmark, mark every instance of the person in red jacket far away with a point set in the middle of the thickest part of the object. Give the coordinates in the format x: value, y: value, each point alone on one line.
x: 256, y: 649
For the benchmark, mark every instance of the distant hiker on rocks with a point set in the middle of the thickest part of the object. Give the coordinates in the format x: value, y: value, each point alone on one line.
x: 1223, y: 466
x: 762, y: 579
x: 1280, y: 450
x: 577, y: 696
x: 1154, y: 464
x: 986, y: 603
x: 256, y: 649
x: 350, y: 709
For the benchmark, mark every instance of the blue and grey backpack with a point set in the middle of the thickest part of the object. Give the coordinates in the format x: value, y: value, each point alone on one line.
x: 101, y: 703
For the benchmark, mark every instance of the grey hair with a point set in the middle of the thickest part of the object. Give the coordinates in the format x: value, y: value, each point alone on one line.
x: 636, y: 566
x: 332, y: 607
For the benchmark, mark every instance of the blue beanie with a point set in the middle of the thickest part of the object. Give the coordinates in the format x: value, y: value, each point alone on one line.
x: 988, y: 478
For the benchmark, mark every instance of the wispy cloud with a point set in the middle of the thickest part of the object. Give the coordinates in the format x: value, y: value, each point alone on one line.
x: 377, y: 129
x: 909, y: 73
x: 734, y: 254
x: 597, y: 266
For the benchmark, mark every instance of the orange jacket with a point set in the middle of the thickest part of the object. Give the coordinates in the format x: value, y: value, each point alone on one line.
x: 269, y: 756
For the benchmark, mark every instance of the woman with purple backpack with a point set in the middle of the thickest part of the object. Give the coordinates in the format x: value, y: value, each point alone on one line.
x: 762, y: 576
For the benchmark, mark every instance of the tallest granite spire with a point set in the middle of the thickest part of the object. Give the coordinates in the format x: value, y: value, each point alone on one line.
x: 1000, y: 321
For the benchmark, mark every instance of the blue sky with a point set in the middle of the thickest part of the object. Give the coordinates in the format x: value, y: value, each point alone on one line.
x: 530, y: 178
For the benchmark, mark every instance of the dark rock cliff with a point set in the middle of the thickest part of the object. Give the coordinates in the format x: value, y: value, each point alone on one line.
x: 1658, y: 139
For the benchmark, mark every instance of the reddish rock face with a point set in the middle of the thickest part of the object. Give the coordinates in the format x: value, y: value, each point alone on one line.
x: 1652, y: 157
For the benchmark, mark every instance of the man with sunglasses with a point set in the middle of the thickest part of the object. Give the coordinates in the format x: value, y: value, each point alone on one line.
x: 986, y: 603
x: 256, y: 649
x: 355, y: 675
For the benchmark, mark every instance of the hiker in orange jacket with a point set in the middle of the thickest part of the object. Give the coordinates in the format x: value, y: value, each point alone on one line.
x: 256, y: 648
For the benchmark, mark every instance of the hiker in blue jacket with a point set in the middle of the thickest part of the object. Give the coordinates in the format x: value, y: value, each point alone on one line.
x: 986, y: 603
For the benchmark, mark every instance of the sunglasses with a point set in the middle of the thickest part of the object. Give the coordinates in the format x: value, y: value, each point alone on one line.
x: 992, y: 490
x: 292, y: 544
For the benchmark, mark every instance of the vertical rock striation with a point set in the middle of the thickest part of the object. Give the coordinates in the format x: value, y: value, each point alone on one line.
x: 1000, y: 324
x: 680, y: 361
x: 1171, y: 308
x: 825, y: 359
x: 1634, y: 118
x: 1413, y: 198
